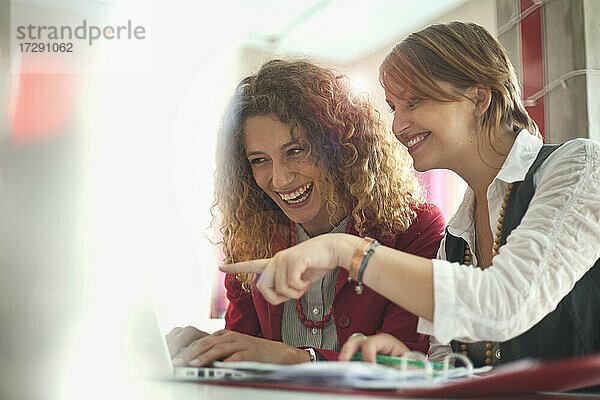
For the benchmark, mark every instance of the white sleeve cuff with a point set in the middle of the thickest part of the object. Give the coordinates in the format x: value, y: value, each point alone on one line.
x: 444, y: 303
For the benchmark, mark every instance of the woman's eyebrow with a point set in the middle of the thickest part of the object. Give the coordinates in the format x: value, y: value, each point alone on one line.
x: 283, y: 147
x: 288, y: 144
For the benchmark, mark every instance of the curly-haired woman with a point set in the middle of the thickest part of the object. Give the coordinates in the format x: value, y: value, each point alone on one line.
x: 301, y: 154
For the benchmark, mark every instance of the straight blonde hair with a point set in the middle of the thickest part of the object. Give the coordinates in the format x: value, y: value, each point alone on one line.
x: 464, y: 55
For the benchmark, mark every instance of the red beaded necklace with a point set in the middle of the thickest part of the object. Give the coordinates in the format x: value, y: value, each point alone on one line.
x: 308, y: 323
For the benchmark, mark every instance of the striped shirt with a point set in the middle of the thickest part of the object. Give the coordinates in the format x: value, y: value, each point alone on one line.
x: 316, y: 302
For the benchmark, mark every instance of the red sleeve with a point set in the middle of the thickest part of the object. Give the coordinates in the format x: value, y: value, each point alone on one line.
x: 240, y: 315
x: 422, y: 238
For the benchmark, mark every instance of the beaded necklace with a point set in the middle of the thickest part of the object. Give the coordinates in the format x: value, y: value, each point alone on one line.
x: 495, y: 248
x: 308, y: 323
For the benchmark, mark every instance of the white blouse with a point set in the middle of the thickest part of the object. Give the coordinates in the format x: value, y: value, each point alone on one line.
x: 557, y: 242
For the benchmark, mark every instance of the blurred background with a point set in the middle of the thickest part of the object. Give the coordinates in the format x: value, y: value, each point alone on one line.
x: 106, y: 159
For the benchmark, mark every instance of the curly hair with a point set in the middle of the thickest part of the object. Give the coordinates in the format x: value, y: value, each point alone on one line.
x: 367, y: 174
x: 465, y: 55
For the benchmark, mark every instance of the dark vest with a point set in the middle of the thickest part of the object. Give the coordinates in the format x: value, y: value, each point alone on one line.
x: 573, y: 328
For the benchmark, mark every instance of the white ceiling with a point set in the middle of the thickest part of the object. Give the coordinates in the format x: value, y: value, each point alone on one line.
x: 339, y: 31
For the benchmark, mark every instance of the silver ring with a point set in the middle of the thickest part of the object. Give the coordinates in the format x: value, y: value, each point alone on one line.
x: 357, y: 335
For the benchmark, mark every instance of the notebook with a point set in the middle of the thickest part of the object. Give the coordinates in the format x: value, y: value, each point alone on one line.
x: 520, y: 377
x: 149, y: 355
x: 410, y: 371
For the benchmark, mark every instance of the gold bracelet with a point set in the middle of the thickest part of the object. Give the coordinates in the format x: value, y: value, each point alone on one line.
x: 357, y: 257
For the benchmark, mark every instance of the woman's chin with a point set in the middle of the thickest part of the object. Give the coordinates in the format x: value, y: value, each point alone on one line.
x: 423, y: 165
x: 420, y: 168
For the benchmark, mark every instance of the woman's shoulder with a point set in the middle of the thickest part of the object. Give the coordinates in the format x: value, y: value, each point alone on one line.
x: 578, y: 147
x: 577, y: 155
x: 428, y: 219
x: 425, y: 232
x: 427, y: 214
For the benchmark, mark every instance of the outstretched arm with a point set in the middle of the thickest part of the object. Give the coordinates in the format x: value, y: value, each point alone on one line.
x: 405, y: 279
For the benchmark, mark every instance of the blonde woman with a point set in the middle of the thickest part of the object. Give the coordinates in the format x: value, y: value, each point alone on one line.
x: 300, y: 156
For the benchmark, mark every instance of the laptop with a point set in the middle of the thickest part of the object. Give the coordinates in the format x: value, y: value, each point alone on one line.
x: 149, y: 355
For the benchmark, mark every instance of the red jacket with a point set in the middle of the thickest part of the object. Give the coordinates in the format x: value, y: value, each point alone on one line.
x: 368, y: 313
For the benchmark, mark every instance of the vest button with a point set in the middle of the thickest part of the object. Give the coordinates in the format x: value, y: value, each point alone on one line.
x: 343, y: 322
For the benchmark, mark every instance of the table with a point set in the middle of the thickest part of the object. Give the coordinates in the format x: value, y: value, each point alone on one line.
x: 157, y: 390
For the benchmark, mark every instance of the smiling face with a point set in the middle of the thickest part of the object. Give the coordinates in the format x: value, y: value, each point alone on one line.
x: 437, y: 134
x: 281, y: 168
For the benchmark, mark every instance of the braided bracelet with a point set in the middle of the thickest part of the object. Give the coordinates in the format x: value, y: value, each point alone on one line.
x: 361, y: 257
x: 363, y: 265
